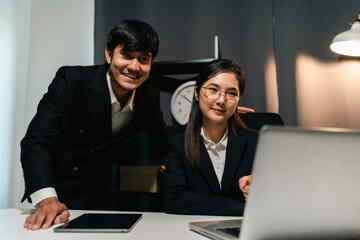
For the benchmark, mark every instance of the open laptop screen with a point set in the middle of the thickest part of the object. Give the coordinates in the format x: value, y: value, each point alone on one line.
x: 305, y: 184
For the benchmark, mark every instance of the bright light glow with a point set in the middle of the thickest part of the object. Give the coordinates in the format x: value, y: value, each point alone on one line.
x: 349, y: 48
x: 327, y: 92
x: 271, y: 91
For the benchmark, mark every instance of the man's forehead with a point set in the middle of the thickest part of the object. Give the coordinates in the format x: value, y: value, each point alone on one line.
x: 143, y: 53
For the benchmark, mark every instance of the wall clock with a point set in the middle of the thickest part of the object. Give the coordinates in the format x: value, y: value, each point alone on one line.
x: 181, y: 102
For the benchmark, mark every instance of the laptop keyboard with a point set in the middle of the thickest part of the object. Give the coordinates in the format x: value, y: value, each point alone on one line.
x: 235, y: 231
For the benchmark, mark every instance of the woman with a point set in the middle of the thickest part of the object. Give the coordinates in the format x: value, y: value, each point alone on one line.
x: 207, y: 159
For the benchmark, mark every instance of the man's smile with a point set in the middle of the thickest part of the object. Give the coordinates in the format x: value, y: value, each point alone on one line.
x: 132, y: 76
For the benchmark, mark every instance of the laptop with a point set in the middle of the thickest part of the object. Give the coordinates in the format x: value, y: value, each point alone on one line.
x: 305, y: 185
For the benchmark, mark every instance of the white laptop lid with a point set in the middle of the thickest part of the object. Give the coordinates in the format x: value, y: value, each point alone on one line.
x: 306, y: 184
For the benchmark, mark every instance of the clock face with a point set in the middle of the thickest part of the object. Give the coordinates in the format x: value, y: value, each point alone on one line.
x: 181, y: 102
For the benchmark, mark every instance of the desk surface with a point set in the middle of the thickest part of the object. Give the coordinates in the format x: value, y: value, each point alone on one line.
x: 151, y: 226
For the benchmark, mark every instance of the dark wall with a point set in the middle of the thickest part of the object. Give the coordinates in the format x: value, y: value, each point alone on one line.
x: 187, y: 30
x: 249, y: 32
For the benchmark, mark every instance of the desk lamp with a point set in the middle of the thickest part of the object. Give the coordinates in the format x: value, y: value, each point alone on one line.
x: 348, y: 42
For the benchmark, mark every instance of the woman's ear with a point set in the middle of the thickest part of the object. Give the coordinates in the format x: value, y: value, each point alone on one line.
x: 196, y: 94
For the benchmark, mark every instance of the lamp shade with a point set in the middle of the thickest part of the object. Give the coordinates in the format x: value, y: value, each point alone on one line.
x: 348, y: 42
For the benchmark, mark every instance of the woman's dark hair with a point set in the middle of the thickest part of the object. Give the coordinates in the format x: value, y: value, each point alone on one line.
x: 135, y: 36
x: 192, y: 132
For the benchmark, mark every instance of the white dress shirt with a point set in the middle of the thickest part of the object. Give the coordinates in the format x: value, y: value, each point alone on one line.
x: 217, y: 153
x: 121, y: 118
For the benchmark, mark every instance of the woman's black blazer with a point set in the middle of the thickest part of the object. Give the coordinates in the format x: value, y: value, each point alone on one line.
x: 197, y: 191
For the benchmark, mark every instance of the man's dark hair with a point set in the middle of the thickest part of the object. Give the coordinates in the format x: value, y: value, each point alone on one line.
x: 135, y: 36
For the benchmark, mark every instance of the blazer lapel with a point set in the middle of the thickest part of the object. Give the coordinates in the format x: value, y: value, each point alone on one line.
x: 138, y: 116
x: 234, y: 153
x: 98, y: 98
x: 207, y: 169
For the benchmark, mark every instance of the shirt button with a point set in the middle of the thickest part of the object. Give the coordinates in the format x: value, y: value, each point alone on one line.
x: 75, y: 169
x: 217, y: 167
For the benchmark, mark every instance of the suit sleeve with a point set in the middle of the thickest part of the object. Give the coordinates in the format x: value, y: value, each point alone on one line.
x: 179, y: 196
x: 151, y: 118
x: 42, y: 133
x: 156, y: 125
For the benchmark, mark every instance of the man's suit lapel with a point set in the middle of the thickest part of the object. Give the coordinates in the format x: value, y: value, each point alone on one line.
x: 234, y: 152
x: 207, y: 169
x: 138, y: 110
x: 98, y: 101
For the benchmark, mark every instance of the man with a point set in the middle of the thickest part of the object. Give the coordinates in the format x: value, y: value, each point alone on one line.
x: 83, y: 122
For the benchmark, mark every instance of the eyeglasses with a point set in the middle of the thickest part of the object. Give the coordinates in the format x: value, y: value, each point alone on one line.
x: 213, y: 93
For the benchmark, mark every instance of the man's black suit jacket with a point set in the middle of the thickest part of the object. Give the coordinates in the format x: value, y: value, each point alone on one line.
x: 69, y: 143
x: 197, y: 191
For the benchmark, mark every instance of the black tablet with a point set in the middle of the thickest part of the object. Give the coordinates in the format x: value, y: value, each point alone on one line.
x: 101, y: 222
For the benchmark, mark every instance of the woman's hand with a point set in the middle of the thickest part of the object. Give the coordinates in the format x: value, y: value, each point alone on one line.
x: 244, y: 185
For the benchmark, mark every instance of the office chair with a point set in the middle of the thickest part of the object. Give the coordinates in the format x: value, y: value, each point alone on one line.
x: 258, y: 119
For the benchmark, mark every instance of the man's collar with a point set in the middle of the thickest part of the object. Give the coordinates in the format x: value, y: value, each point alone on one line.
x: 113, y: 98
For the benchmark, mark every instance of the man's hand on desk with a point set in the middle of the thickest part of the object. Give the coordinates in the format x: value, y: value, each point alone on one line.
x: 244, y: 185
x: 48, y: 212
x: 245, y: 110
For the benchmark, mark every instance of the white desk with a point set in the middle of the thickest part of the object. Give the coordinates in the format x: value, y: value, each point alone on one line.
x: 151, y: 226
